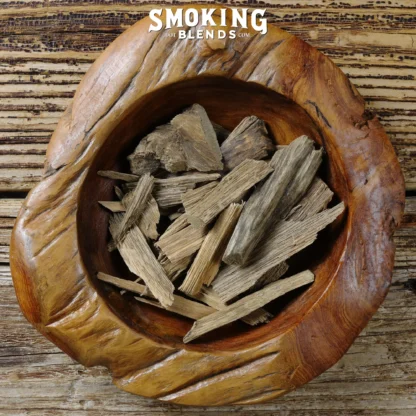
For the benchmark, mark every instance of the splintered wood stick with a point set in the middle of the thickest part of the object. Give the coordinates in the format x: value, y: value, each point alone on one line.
x: 169, y: 196
x: 260, y: 210
x: 174, y: 269
x: 231, y: 189
x: 135, y: 207
x: 208, y: 260
x: 113, y: 206
x: 315, y: 200
x: 149, y: 219
x: 177, y: 225
x: 248, y: 304
x: 199, y: 141
x: 283, y: 241
x: 208, y: 296
x: 120, y: 176
x: 119, y: 193
x: 299, y: 185
x: 249, y: 140
x: 183, y: 243
x: 141, y: 261
x: 193, y: 196
x: 183, y: 306
x: 180, y: 305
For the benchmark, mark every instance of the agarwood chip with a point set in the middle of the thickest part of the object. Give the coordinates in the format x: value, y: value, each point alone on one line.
x: 110, y: 174
x: 283, y: 241
x: 199, y: 141
x: 231, y: 189
x: 248, y: 304
x: 262, y: 207
x: 141, y: 261
x: 249, y: 140
x: 208, y: 260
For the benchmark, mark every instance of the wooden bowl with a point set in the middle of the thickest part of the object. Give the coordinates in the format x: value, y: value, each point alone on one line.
x: 59, y: 240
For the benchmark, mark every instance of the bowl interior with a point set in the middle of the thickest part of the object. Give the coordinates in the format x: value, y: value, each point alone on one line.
x: 227, y: 103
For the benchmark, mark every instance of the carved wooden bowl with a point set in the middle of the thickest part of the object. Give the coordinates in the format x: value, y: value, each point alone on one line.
x: 59, y: 240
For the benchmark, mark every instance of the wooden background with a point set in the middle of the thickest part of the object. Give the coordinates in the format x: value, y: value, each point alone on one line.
x: 45, y: 48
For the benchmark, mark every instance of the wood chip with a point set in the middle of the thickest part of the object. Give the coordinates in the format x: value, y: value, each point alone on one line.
x: 119, y: 193
x: 113, y: 206
x: 182, y: 244
x: 283, y: 241
x: 180, y: 305
x: 149, y: 219
x: 193, y: 196
x: 315, y: 200
x: 208, y: 260
x: 110, y: 174
x: 208, y: 296
x: 272, y: 275
x: 231, y: 189
x: 199, y: 141
x: 135, y: 206
x: 248, y: 304
x: 160, y: 149
x: 249, y: 140
x: 174, y: 269
x: 141, y: 261
x: 183, y: 306
x: 261, y: 209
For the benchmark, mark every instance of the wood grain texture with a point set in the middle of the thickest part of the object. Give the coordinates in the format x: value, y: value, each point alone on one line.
x: 371, y: 42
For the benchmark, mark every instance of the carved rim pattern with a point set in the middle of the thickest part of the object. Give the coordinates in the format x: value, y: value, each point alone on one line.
x: 80, y: 322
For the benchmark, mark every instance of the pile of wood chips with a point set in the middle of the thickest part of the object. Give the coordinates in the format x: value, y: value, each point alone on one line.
x: 233, y: 219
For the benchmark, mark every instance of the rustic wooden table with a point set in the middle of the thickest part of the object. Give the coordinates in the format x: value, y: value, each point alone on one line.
x: 45, y: 48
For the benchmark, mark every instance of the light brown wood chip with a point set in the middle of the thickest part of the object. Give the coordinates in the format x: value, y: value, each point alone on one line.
x: 208, y: 296
x: 183, y: 243
x: 231, y: 189
x: 283, y: 241
x: 135, y: 207
x: 249, y: 140
x: 174, y: 269
x: 315, y: 200
x: 262, y: 207
x: 272, y: 275
x: 248, y: 304
x: 111, y: 174
x: 183, y: 306
x: 141, y: 261
x: 199, y: 141
x: 113, y: 206
x: 180, y: 305
x: 208, y: 260
x: 193, y: 196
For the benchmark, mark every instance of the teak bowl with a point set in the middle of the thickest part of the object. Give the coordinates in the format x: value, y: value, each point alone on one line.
x: 59, y: 240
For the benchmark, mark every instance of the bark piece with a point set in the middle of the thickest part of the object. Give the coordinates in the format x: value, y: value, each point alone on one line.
x: 113, y: 206
x: 249, y: 140
x: 248, y: 304
x: 135, y: 206
x: 193, y: 196
x: 208, y: 296
x: 283, y: 241
x: 141, y: 261
x: 180, y: 305
x: 199, y: 141
x: 119, y: 176
x: 160, y: 149
x: 208, y: 260
x: 315, y: 200
x: 231, y: 189
x: 261, y: 209
x: 184, y: 243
